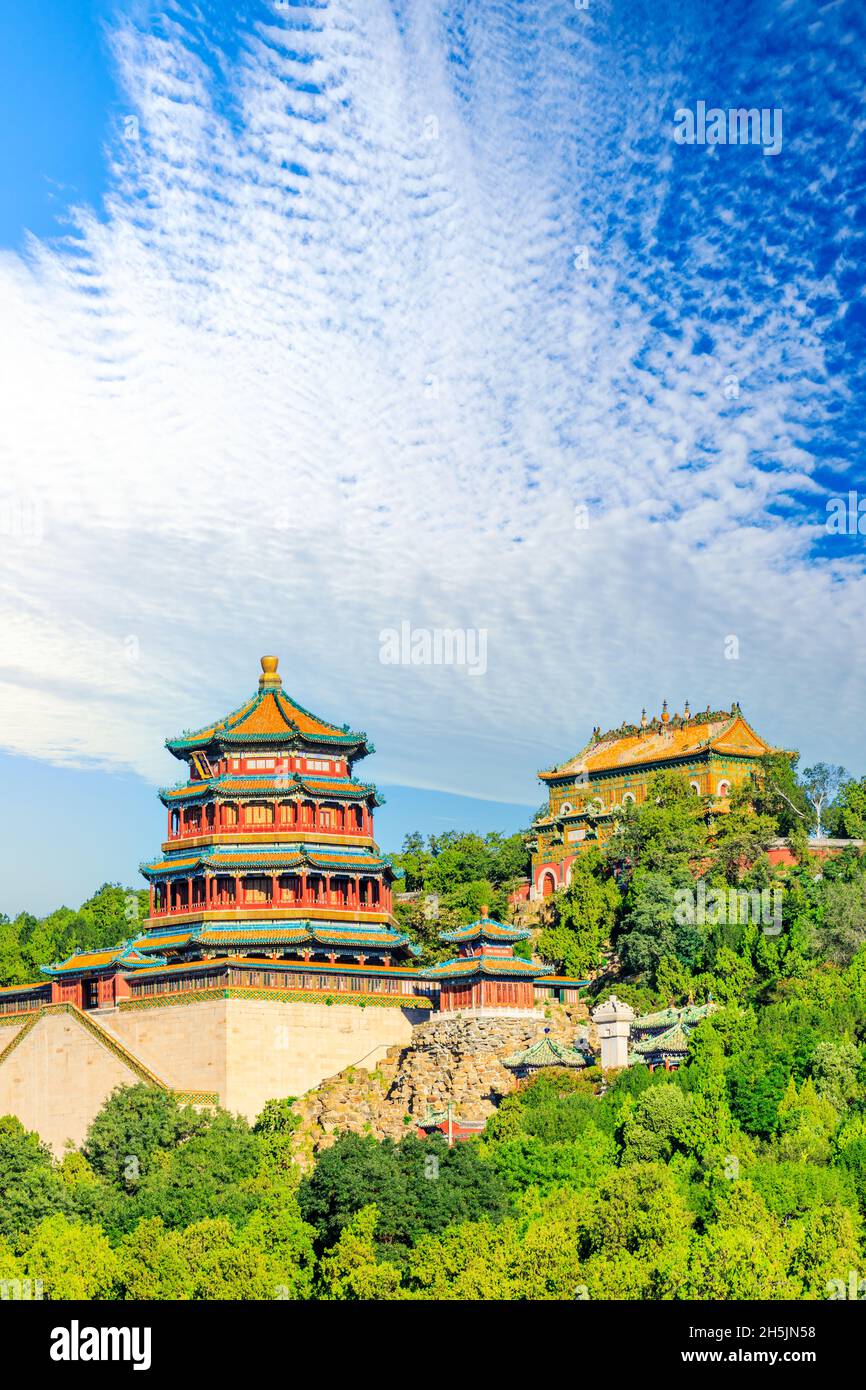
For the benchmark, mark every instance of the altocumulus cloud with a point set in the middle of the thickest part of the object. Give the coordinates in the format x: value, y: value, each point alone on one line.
x: 417, y: 312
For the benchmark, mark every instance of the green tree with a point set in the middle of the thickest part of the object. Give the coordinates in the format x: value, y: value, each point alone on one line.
x: 134, y: 1124
x: 30, y: 1187
x: 656, y: 1126
x: 667, y: 833
x: 821, y: 784
x: 73, y: 1260
x: 741, y: 836
x: 745, y: 1254
x: 208, y: 1176
x: 836, y: 1068
x: 153, y: 1263
x: 778, y: 793
x: 807, y: 1122
x: 847, y: 818
x: 417, y: 1185
x: 655, y: 927
x: 351, y: 1269
x: 527, y: 1161
x: 584, y: 915
x: 841, y: 929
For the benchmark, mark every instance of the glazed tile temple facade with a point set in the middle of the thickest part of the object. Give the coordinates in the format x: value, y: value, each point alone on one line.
x: 714, y: 750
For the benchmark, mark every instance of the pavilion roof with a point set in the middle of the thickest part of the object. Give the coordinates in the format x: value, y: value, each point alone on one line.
x: 274, y: 860
x: 340, y: 935
x: 674, y: 1040
x: 271, y: 784
x: 163, y: 941
x: 689, y: 1014
x: 485, y: 929
x: 724, y: 732
x: 312, y: 967
x: 125, y: 956
x: 547, y: 1052
x: 483, y: 964
x: 270, y: 718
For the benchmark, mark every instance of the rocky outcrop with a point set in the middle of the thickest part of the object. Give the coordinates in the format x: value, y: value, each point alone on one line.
x: 451, y: 1059
x: 458, y: 1060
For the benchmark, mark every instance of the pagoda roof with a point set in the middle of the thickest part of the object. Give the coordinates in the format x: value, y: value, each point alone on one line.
x: 269, y: 718
x: 487, y: 965
x: 163, y: 941
x: 723, y: 731
x: 547, y: 1052
x: 485, y: 929
x: 673, y: 1041
x: 265, y: 936
x: 276, y: 860
x: 689, y: 1014
x: 125, y: 956
x: 339, y: 935
x: 342, y: 936
x: 312, y: 967
x: 294, y: 784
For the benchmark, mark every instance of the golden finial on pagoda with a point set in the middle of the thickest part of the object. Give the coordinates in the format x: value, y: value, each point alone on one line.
x: 665, y: 715
x: 269, y: 679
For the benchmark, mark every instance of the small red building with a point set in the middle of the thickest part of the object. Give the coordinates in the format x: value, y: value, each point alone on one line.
x: 486, y: 974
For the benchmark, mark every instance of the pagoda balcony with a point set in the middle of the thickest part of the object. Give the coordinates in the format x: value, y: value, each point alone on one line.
x: 273, y: 911
x: 326, y: 893
x: 271, y: 818
x: 270, y: 835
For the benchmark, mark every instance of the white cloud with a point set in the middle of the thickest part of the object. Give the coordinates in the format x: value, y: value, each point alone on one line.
x: 314, y: 373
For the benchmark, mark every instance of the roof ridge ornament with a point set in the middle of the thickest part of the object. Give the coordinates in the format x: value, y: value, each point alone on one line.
x: 270, y: 678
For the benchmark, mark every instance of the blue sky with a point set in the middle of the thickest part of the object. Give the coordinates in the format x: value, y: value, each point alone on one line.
x: 319, y: 319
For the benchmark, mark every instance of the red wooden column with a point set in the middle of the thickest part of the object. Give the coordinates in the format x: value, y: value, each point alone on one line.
x: 275, y: 890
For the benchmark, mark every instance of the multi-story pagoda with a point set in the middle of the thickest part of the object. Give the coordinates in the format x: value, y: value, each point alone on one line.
x: 270, y: 846
x: 714, y: 750
x: 269, y: 857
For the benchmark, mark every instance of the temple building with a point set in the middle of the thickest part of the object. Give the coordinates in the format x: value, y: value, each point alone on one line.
x: 714, y: 750
x: 662, y: 1039
x: 269, y: 873
x: 486, y: 974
